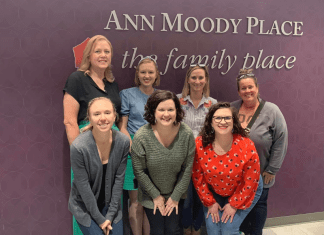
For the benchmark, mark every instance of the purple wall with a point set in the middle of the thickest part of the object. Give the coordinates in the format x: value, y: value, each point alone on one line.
x: 36, y: 59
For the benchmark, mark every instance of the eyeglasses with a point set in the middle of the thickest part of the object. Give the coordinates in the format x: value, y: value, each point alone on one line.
x: 245, y: 75
x: 148, y: 57
x: 218, y: 119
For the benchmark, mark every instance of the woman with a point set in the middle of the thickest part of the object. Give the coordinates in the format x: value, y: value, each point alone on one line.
x: 195, y: 102
x: 132, y: 110
x: 98, y: 159
x: 226, y: 171
x: 162, y: 154
x: 270, y: 135
x: 93, y: 79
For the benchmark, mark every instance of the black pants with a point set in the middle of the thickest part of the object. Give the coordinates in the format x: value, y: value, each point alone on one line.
x: 255, y: 220
x: 165, y: 225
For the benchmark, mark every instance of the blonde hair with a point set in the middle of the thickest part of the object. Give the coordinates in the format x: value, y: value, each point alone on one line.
x: 186, y: 87
x: 85, y: 63
x: 89, y: 126
x: 147, y: 60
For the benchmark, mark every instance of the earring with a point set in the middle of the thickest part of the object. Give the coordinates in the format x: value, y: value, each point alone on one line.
x: 212, y: 131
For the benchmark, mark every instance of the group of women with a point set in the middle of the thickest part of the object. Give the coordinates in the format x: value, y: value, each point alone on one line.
x: 182, y: 159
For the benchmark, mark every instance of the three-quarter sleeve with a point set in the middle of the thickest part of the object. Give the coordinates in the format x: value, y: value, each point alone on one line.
x: 279, y: 142
x: 247, y: 187
x: 185, y: 173
x: 198, y: 179
x: 81, y: 180
x: 140, y: 169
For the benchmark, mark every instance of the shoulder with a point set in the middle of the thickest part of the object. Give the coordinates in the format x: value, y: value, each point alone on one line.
x: 185, y: 129
x: 129, y: 91
x: 82, y: 141
x: 243, y: 142
x: 236, y: 104
x: 183, y: 100
x: 143, y: 131
x: 271, y: 106
x: 209, y: 101
x: 121, y: 137
x: 77, y: 75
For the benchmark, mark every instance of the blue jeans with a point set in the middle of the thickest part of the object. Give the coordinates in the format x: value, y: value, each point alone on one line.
x: 94, y: 228
x: 255, y: 220
x: 193, y: 213
x: 230, y: 228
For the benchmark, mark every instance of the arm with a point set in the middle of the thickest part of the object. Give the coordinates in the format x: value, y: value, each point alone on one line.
x: 71, y: 109
x: 81, y: 181
x: 185, y: 173
x: 199, y: 182
x: 140, y: 169
x: 122, y: 125
x: 246, y: 189
x: 118, y: 184
x: 279, y: 142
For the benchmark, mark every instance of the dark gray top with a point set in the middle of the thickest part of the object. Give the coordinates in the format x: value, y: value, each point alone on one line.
x: 270, y: 136
x: 87, y: 169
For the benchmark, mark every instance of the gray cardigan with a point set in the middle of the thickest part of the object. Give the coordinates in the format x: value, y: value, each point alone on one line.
x: 88, y: 170
x: 270, y: 136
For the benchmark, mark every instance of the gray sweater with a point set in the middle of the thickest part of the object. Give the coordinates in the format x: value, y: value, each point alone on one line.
x: 160, y: 170
x: 270, y: 136
x: 88, y: 170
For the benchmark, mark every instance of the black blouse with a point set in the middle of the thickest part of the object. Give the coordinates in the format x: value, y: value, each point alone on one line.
x: 83, y: 89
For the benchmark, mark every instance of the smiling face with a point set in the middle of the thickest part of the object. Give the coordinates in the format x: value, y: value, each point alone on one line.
x: 248, y: 91
x: 100, y: 57
x: 147, y: 74
x: 165, y: 113
x: 197, y: 80
x: 223, y: 126
x: 102, y: 115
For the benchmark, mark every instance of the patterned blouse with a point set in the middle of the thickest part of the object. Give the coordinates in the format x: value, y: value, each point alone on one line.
x: 235, y: 174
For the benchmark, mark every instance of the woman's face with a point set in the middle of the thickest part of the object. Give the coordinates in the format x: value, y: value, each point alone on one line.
x: 100, y: 57
x: 166, y: 113
x: 197, y: 80
x: 248, y: 90
x: 102, y: 115
x: 223, y: 121
x: 147, y: 74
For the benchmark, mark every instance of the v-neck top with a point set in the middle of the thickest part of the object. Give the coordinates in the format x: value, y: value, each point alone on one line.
x: 162, y: 170
x: 83, y: 89
x: 88, y: 175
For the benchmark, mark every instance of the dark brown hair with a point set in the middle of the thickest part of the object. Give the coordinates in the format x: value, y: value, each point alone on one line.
x: 155, y: 99
x: 207, y: 132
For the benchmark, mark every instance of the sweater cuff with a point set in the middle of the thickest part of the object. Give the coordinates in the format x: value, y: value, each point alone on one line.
x: 154, y: 193
x: 100, y: 220
x: 175, y: 196
x: 271, y: 170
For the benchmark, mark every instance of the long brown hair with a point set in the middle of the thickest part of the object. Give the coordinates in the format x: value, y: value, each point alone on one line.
x: 208, y: 133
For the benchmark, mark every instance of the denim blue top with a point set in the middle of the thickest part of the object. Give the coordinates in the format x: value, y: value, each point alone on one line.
x: 132, y: 105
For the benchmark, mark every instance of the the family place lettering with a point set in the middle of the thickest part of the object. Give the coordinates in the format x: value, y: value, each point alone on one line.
x: 207, y: 25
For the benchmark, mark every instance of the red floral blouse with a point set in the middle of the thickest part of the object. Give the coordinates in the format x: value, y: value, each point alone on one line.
x: 235, y: 174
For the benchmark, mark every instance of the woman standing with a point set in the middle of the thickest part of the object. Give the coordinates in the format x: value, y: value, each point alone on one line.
x: 226, y: 171
x: 270, y: 136
x: 98, y: 159
x: 132, y: 110
x: 162, y: 154
x: 195, y: 102
x: 93, y: 79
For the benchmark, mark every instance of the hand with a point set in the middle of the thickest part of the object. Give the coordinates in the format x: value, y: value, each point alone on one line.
x: 268, y: 177
x: 159, y: 203
x: 170, y: 204
x: 213, y: 211
x: 106, y: 227
x: 228, y: 212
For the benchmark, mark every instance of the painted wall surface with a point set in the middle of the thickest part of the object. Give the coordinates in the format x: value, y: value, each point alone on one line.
x: 36, y: 57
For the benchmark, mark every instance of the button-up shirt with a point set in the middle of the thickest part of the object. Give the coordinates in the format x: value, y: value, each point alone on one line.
x: 195, y: 117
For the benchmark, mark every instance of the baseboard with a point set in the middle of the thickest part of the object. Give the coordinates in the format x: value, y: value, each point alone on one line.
x: 294, y: 219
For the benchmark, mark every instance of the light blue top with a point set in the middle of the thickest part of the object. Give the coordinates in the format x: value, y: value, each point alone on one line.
x: 132, y: 105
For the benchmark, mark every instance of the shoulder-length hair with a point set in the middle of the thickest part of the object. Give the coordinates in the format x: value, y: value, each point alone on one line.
x: 186, y: 87
x: 207, y: 132
x: 155, y: 99
x: 89, y: 126
x: 144, y: 61
x: 85, y: 63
